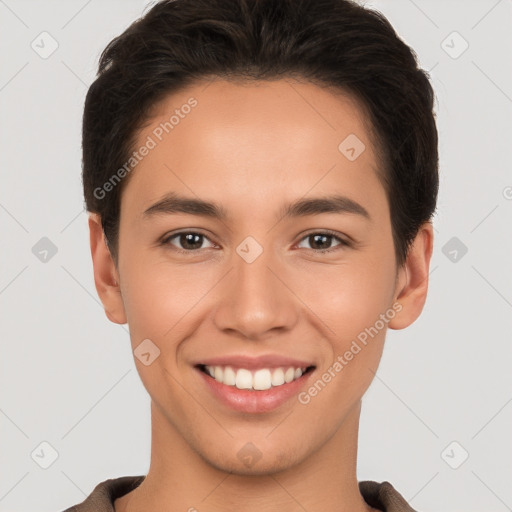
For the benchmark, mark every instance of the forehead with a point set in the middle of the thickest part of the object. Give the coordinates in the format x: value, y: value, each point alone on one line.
x: 241, y: 140
x: 263, y: 104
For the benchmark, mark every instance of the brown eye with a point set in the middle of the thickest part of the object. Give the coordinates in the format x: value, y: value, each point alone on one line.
x: 321, y: 241
x: 189, y: 241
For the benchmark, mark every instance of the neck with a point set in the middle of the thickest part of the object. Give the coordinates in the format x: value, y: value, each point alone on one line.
x: 180, y: 479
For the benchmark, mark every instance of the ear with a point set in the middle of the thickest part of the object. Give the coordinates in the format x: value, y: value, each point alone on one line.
x: 106, y: 277
x: 412, y: 280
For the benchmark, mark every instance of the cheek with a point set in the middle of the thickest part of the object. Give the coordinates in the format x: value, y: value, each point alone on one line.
x: 348, y: 298
x: 354, y: 315
x: 353, y: 305
x: 157, y: 296
x: 159, y: 303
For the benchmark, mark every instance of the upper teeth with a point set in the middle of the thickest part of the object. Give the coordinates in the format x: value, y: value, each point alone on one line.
x: 262, y: 379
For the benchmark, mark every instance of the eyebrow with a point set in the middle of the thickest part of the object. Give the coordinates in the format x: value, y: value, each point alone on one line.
x: 175, y: 203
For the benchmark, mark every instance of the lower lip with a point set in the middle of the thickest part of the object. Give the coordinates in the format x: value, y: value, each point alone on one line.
x: 245, y: 400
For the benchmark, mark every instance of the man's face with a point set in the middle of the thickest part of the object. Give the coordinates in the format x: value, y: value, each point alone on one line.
x: 253, y: 290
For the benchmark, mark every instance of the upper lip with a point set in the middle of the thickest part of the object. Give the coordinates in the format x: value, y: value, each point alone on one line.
x: 248, y: 362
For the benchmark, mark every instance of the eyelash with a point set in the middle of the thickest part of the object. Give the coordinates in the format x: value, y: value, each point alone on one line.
x: 343, y: 243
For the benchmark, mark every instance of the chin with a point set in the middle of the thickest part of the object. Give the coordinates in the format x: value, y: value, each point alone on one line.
x: 250, y: 461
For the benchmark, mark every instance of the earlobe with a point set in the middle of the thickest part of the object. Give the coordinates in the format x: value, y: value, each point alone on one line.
x: 106, y: 276
x: 412, y: 282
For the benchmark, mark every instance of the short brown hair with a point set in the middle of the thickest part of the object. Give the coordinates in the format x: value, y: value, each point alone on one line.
x: 333, y: 42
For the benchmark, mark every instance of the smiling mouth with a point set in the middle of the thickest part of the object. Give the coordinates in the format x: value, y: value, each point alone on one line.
x: 255, y: 380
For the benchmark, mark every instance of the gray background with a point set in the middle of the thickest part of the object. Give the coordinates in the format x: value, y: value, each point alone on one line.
x: 67, y: 375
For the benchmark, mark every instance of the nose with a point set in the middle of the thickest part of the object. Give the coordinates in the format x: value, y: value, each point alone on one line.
x: 256, y: 300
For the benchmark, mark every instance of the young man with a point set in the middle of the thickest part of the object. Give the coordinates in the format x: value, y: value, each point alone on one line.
x: 261, y: 177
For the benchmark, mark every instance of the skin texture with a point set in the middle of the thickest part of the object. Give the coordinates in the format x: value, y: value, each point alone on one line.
x: 252, y: 148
